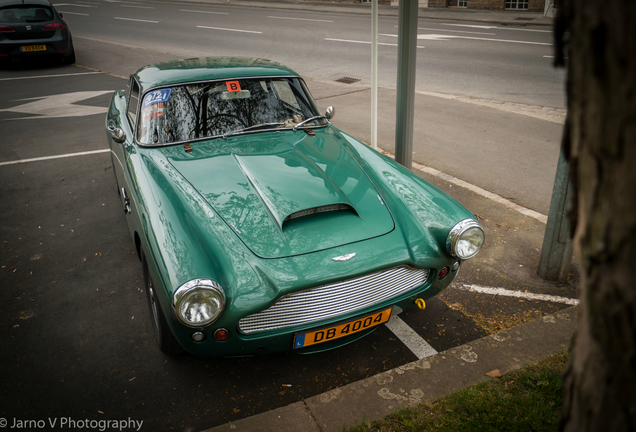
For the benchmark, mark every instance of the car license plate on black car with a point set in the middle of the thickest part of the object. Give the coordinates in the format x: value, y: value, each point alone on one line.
x: 27, y: 48
x: 302, y: 340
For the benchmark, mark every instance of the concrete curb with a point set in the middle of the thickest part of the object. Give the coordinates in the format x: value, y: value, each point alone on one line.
x: 422, y: 381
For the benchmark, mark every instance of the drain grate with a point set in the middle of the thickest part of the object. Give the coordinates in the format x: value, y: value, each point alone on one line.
x: 348, y: 80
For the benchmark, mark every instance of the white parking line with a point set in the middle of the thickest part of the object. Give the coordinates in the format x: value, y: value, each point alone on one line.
x: 73, y: 13
x: 232, y: 30
x: 519, y: 294
x: 48, y: 76
x: 439, y: 37
x: 410, y: 338
x: 362, y: 42
x: 299, y: 19
x: 73, y: 4
x: 498, y: 28
x: 457, y: 31
x: 54, y: 157
x: 138, y: 20
x: 207, y: 12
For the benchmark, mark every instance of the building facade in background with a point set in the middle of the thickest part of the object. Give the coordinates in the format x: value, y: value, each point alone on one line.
x: 529, y: 5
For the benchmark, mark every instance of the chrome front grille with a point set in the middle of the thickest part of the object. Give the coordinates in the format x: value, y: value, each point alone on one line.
x: 333, y: 300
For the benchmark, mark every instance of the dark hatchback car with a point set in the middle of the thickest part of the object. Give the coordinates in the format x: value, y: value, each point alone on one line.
x: 33, y: 28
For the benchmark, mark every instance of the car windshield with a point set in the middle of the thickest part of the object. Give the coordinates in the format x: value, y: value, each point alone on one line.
x: 202, y: 110
x: 25, y: 14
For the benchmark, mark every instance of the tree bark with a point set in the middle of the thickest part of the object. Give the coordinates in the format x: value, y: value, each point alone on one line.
x: 600, y: 381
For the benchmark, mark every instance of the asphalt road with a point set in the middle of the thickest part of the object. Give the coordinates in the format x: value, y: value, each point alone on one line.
x: 76, y: 333
x: 488, y: 61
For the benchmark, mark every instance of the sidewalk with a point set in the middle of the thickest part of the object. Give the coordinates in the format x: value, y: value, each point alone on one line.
x: 423, y: 381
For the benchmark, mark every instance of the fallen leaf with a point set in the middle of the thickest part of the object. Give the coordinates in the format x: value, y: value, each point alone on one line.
x: 494, y: 373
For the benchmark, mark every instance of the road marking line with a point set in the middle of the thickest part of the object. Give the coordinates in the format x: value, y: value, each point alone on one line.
x: 299, y: 19
x: 73, y: 4
x: 207, y: 12
x: 519, y: 294
x: 232, y: 30
x: 362, y: 42
x: 498, y: 28
x: 137, y: 7
x: 500, y: 40
x: 455, y: 31
x: 54, y: 157
x: 410, y: 338
x: 494, y: 197
x: 48, y: 76
x: 137, y: 20
x: 485, y: 27
x: 447, y: 37
x: 73, y: 13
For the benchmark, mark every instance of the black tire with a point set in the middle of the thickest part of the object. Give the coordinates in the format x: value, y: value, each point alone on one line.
x: 71, y: 58
x: 163, y: 335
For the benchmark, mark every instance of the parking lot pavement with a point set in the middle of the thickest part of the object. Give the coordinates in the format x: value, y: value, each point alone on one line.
x: 76, y: 333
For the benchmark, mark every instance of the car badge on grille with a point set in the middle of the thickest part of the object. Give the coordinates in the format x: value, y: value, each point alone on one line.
x: 346, y: 257
x: 28, y: 27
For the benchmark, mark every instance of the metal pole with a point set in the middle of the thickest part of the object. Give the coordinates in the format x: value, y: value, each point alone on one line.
x: 407, y: 50
x: 374, y: 74
x: 556, y: 253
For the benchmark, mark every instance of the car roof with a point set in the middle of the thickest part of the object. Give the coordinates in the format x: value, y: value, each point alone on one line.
x: 4, y: 3
x: 207, y: 68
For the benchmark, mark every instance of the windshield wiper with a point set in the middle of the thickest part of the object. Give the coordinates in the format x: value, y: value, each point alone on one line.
x: 258, y: 126
x: 308, y: 120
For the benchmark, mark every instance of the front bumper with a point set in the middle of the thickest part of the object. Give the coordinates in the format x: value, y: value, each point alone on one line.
x: 267, y: 342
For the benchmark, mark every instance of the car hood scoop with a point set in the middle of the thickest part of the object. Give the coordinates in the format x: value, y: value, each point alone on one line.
x: 286, y: 193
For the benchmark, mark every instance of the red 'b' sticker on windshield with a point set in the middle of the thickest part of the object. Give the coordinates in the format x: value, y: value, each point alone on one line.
x: 233, y: 86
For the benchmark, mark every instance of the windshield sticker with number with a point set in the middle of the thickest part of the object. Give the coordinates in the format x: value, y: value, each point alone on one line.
x: 157, y: 96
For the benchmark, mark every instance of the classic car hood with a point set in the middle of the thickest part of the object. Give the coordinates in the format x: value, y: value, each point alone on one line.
x: 286, y: 193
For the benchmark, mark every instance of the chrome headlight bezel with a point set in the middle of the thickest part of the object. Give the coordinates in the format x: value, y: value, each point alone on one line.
x: 460, y: 233
x: 205, y: 289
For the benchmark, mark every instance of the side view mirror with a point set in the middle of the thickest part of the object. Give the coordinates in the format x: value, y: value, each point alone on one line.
x: 115, y: 132
x: 330, y: 113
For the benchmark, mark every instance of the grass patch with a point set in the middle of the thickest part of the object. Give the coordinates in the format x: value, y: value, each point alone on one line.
x: 526, y: 400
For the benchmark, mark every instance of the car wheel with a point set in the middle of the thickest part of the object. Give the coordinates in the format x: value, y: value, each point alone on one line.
x: 163, y: 335
x: 71, y: 58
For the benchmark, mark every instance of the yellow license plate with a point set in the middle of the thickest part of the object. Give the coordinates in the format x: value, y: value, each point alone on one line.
x: 302, y: 340
x: 27, y: 48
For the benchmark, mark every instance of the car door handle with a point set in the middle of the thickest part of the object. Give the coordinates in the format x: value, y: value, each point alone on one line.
x: 126, y: 200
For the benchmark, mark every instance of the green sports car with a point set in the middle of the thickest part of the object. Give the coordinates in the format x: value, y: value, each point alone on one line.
x: 260, y: 226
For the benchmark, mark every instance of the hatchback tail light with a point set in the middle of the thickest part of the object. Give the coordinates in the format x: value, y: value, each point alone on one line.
x: 6, y: 28
x: 54, y: 26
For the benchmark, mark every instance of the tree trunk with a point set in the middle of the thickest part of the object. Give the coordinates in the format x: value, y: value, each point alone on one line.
x: 600, y: 381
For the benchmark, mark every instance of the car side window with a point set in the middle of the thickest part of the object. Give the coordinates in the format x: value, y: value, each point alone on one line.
x: 133, y: 101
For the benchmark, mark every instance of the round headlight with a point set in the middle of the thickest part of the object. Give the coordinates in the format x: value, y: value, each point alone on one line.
x: 465, y: 239
x: 199, y: 302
